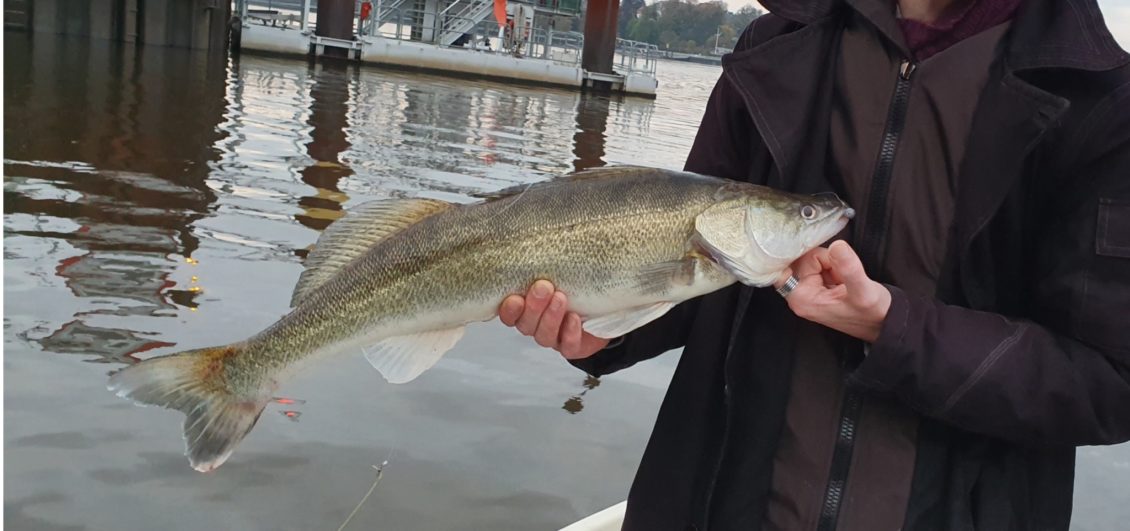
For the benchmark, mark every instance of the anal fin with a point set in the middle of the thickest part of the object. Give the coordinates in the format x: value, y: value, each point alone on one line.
x: 401, y: 359
x: 617, y: 324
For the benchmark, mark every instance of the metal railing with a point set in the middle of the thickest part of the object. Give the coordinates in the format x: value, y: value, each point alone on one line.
x: 459, y: 23
x: 277, y: 13
x: 636, y: 56
x: 562, y: 47
x: 564, y: 7
x: 291, y: 14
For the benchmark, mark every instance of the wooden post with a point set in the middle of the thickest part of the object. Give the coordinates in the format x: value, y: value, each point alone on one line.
x: 335, y: 20
x: 600, y: 35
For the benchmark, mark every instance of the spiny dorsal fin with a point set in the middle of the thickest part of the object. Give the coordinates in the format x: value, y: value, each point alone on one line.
x: 361, y: 228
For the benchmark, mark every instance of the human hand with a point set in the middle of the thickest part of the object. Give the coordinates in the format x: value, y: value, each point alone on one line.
x: 835, y: 291
x: 542, y: 314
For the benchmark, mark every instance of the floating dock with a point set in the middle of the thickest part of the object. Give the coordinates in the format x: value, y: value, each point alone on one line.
x: 536, y: 43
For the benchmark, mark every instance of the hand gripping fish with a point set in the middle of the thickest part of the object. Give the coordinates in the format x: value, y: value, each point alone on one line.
x: 400, y: 279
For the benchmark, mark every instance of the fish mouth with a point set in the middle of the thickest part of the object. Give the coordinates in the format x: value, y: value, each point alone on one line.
x: 842, y: 221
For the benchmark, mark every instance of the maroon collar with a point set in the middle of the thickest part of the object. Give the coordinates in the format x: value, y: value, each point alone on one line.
x: 1044, y: 34
x: 967, y: 19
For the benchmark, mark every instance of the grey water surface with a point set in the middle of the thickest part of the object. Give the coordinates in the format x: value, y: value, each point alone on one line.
x: 159, y: 199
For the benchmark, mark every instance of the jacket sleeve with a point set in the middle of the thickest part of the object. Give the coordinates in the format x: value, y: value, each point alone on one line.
x: 1061, y: 378
x: 721, y: 149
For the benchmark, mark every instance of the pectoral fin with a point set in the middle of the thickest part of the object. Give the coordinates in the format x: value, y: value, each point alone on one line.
x: 620, y: 323
x: 401, y: 359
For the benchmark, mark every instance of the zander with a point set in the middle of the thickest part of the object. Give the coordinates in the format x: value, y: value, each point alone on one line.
x: 399, y: 280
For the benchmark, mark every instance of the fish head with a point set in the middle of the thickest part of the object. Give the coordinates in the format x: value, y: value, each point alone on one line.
x: 782, y: 227
x: 756, y: 232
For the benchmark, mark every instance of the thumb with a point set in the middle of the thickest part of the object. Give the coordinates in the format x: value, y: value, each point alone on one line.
x: 847, y: 265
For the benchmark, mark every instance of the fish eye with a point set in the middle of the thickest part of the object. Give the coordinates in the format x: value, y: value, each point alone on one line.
x: 808, y: 212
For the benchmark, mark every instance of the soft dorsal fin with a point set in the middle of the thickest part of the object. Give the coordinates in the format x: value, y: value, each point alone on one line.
x: 605, y: 171
x: 591, y: 173
x: 361, y: 228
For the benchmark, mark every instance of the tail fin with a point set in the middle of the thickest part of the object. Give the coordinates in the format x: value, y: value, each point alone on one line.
x: 192, y: 382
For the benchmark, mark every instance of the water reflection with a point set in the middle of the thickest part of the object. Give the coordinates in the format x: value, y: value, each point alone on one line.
x: 451, y: 139
x: 128, y: 206
x: 329, y: 121
x: 575, y: 404
x: 589, y: 140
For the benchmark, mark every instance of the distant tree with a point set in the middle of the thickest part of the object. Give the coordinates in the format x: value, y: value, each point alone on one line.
x: 727, y: 36
x: 684, y: 25
x: 669, y: 38
x: 742, y: 18
x: 629, y: 9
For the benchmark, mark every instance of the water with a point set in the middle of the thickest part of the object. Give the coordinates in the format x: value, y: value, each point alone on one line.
x: 160, y: 199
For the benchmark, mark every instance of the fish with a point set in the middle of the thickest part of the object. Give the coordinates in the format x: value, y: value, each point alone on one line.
x: 400, y: 279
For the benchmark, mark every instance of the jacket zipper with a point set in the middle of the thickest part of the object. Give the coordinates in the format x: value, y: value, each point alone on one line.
x: 876, y: 222
x: 869, y: 252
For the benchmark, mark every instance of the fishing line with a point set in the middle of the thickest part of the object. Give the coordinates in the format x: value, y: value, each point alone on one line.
x: 380, y: 473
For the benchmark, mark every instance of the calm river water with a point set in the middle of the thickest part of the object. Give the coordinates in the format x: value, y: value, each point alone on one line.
x: 159, y: 199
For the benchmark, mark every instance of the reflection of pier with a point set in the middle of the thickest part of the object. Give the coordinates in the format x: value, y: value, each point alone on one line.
x: 129, y: 208
x: 329, y: 121
x: 181, y: 23
x: 588, y: 142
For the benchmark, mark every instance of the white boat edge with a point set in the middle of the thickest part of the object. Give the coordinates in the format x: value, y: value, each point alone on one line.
x: 609, y: 519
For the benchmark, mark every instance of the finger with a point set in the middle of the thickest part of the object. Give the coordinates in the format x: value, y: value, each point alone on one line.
x: 537, y: 298
x: 550, y: 324
x: 830, y: 280
x: 829, y: 269
x: 788, y: 272
x: 807, y: 265
x: 511, y: 309
x: 569, y: 342
x: 590, y: 344
x: 811, y: 263
x: 802, y: 300
x: 824, y: 259
x: 846, y: 264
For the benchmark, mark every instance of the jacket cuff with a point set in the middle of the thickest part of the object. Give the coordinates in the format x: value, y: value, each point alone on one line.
x: 886, y: 357
x: 599, y: 362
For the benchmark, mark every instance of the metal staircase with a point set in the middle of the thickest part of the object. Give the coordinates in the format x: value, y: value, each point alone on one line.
x: 388, y: 10
x: 461, y: 17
